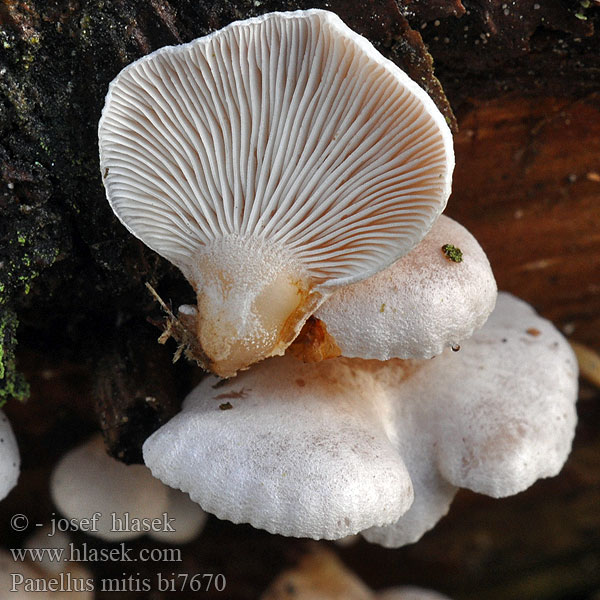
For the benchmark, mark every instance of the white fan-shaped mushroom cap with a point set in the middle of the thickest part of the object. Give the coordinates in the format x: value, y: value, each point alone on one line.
x: 420, y: 305
x: 272, y: 161
x: 297, y: 448
x: 500, y: 415
x: 303, y: 450
x: 87, y: 481
x: 518, y: 422
x: 10, y: 461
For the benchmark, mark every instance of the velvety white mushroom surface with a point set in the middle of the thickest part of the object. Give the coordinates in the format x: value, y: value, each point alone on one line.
x: 272, y: 161
x: 328, y: 449
x: 420, y: 305
x: 292, y: 448
x: 10, y: 460
x: 87, y: 481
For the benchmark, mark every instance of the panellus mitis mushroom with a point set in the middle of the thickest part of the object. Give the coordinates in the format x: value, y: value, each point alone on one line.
x: 10, y: 460
x: 274, y: 162
x: 423, y: 303
x: 127, y: 500
x: 341, y: 446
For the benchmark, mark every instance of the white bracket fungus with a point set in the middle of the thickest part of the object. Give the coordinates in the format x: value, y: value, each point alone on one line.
x: 127, y: 499
x: 10, y: 461
x: 328, y: 449
x: 420, y: 305
x: 303, y: 450
x: 272, y: 161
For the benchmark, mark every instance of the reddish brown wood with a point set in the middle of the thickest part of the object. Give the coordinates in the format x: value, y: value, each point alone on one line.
x: 527, y: 184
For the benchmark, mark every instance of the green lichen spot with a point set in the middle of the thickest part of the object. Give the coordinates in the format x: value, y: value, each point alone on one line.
x: 12, y: 383
x: 382, y: 308
x: 452, y: 253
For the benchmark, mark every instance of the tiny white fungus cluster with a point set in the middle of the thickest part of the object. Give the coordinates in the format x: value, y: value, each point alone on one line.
x: 10, y: 460
x: 291, y: 172
x: 328, y: 449
x: 127, y: 500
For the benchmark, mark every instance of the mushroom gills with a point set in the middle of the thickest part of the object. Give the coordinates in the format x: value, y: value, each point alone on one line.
x: 272, y: 161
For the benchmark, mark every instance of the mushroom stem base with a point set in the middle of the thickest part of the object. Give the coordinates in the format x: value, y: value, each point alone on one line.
x: 252, y: 300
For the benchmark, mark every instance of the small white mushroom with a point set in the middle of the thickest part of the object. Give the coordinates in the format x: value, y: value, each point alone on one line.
x: 320, y: 575
x: 272, y: 161
x: 493, y: 417
x: 52, y: 577
x: 321, y: 450
x: 296, y: 449
x: 10, y: 461
x: 129, y: 501
x: 510, y: 443
x: 420, y: 305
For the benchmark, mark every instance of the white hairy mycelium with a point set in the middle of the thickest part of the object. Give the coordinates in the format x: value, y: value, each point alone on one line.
x: 87, y: 481
x: 273, y: 162
x: 332, y: 448
x: 10, y: 460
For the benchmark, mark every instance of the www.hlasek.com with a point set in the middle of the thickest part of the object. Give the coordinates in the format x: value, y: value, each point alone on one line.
x: 68, y: 578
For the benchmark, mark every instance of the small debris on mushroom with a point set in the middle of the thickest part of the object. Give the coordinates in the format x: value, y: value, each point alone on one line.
x: 452, y: 253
